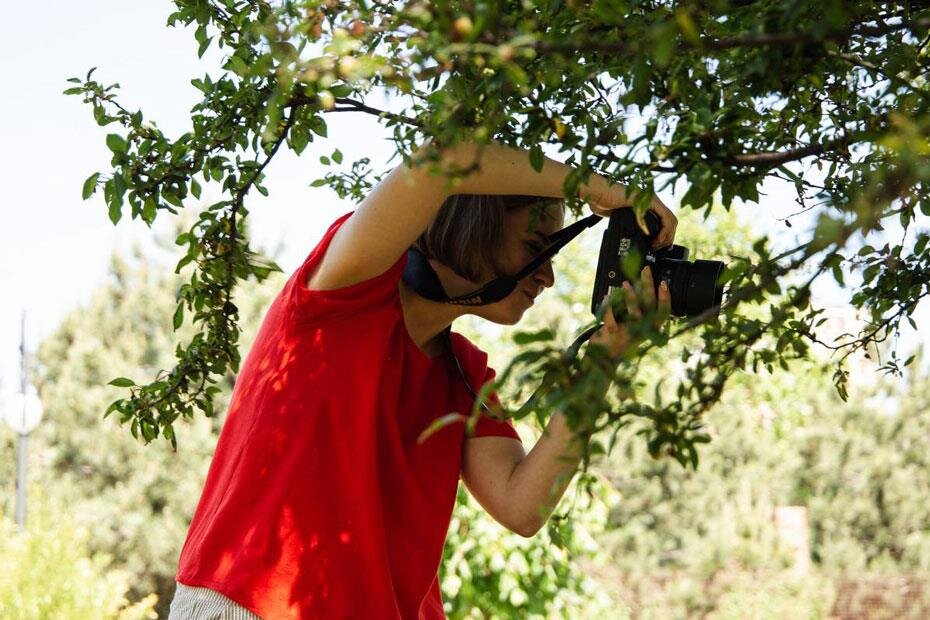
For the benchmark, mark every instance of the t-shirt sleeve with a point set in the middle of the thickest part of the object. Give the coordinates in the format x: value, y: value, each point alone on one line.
x: 313, y: 306
x: 488, y: 426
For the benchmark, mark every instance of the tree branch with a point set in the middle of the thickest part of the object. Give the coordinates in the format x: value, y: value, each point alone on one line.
x: 750, y: 41
x: 353, y: 106
x: 894, y: 79
x: 794, y: 38
x: 239, y: 196
x: 776, y: 158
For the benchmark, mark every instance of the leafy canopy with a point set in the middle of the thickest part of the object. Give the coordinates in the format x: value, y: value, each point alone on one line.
x: 720, y: 94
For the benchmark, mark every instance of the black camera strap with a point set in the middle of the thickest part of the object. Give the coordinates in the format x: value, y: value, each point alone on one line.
x: 420, y: 276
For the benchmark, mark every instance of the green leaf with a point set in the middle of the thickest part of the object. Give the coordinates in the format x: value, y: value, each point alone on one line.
x: 90, y: 186
x: 122, y: 382
x: 341, y: 90
x: 200, y: 35
x: 149, y: 431
x: 317, y: 125
x: 440, y: 422
x: 179, y: 316
x: 171, y: 198
x: 921, y: 243
x: 114, y: 406
x: 524, y: 338
x: 149, y: 209
x: 537, y: 159
x: 116, y: 210
x: 119, y: 186
x: 183, y: 262
x: 337, y: 156
x: 925, y: 206
x: 237, y: 65
x: 298, y: 139
x: 117, y: 143
x: 169, y: 435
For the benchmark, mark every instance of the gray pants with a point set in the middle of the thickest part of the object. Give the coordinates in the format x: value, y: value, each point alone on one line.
x: 192, y: 603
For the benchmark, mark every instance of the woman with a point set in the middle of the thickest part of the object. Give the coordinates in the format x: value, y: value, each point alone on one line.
x: 320, y: 502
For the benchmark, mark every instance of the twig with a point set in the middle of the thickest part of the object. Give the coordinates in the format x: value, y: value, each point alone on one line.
x: 354, y: 106
x: 861, y: 62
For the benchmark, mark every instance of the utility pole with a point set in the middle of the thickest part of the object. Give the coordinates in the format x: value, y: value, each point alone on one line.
x: 22, y: 412
x: 23, y: 433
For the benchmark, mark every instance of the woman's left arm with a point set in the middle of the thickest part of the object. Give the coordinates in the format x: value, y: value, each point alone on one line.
x: 521, y: 490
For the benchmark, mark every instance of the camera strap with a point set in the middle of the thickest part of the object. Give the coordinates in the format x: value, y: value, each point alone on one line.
x: 420, y: 276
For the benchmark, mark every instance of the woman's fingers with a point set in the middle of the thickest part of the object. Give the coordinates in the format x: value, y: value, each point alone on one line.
x: 659, y: 307
x: 648, y: 286
x: 640, y: 300
x: 632, y: 303
x: 610, y: 321
x: 612, y: 335
x: 666, y: 236
x: 665, y: 304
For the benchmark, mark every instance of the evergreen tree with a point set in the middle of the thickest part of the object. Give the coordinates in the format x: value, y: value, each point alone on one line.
x: 135, y: 505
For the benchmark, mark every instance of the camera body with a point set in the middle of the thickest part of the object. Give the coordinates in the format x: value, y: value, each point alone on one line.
x: 694, y: 286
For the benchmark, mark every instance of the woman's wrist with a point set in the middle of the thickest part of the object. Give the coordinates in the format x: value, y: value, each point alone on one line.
x: 604, y: 194
x: 600, y: 190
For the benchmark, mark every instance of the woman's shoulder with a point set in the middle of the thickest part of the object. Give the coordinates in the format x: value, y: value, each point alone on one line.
x: 311, y: 305
x: 468, y: 353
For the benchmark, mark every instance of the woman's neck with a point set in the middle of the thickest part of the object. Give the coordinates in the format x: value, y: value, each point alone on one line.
x: 426, y: 319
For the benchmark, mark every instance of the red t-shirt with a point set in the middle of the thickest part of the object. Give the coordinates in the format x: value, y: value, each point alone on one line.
x: 319, y: 503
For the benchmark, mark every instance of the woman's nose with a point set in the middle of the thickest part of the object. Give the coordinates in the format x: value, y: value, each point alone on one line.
x: 544, y: 275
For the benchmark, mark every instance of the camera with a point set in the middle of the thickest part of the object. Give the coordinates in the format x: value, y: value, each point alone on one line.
x: 694, y: 286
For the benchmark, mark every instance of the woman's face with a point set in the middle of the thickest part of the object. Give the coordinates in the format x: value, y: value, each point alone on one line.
x: 526, y: 232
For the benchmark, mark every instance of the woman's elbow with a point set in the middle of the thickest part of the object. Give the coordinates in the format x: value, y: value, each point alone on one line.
x: 527, y: 527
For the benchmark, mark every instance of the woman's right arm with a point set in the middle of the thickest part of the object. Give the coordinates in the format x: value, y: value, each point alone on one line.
x: 401, y: 206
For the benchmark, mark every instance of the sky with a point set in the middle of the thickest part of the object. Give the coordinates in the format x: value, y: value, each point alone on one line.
x: 55, y: 248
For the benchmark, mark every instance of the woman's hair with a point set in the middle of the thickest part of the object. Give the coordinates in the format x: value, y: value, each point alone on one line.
x: 467, y: 233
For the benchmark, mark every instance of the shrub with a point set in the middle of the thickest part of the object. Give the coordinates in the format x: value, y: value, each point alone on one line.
x: 46, y: 572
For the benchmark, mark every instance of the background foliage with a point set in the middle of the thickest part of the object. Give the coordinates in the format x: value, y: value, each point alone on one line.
x: 48, y: 572
x: 652, y: 540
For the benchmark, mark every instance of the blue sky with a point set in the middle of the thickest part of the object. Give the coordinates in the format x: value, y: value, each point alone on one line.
x: 54, y: 247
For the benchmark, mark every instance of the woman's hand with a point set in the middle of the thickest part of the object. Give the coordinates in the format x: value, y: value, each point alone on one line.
x: 640, y: 300
x: 614, y: 197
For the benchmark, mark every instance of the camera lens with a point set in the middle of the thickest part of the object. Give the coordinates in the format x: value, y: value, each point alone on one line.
x: 704, y: 290
x: 693, y: 287
x: 677, y: 274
